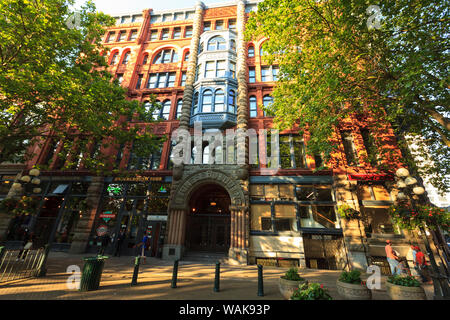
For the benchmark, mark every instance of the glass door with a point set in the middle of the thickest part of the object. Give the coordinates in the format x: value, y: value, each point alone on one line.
x: 130, y: 220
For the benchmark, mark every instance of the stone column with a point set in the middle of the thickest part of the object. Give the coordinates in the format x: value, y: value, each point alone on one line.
x: 176, y: 226
x: 192, y: 66
x: 238, y: 235
x: 86, y: 222
x: 242, y: 96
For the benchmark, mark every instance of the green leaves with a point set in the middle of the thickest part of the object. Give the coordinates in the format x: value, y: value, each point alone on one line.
x: 53, y: 78
x: 397, y: 73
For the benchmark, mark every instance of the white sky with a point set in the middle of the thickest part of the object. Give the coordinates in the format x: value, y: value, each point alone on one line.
x: 115, y: 7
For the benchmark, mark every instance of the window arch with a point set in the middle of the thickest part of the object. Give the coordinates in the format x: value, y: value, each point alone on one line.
x: 219, y: 101
x: 195, y: 104
x: 207, y: 101
x: 145, y: 59
x: 186, y: 56
x: 251, y: 51
x: 126, y: 57
x: 267, y: 102
x: 253, y: 107
x: 114, y: 57
x: 216, y: 43
x: 232, y: 102
x: 166, y: 56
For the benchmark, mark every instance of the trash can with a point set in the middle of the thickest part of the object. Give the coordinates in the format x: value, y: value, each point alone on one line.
x: 92, y: 272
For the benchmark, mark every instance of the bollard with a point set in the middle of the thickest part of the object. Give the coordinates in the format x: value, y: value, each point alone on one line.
x: 137, y: 262
x: 260, y: 281
x: 174, y: 274
x: 217, y: 278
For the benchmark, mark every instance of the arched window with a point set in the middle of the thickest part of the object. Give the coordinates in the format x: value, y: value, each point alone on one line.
x: 165, y: 110
x: 207, y: 101
x: 166, y: 56
x: 219, y: 101
x: 253, y: 107
x: 195, y: 104
x: 157, y: 111
x: 126, y: 58
x: 145, y: 60
x: 261, y: 51
x: 186, y: 56
x: 147, y: 108
x: 267, y: 102
x: 232, y: 102
x: 114, y: 58
x: 216, y: 43
x: 233, y: 45
x: 179, y: 108
x: 200, y: 48
x: 251, y: 51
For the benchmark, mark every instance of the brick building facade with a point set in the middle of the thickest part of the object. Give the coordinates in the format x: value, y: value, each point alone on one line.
x: 201, y: 69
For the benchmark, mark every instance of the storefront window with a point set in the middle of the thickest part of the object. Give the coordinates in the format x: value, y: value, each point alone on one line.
x: 261, y: 217
x: 72, y: 212
x: 285, y: 218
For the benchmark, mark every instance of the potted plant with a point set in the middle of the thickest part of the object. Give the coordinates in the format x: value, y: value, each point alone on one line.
x: 405, y: 288
x: 347, y: 212
x: 290, y: 282
x: 311, y: 291
x: 351, y: 287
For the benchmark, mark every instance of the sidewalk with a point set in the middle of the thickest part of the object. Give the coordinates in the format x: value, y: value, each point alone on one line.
x: 195, y: 282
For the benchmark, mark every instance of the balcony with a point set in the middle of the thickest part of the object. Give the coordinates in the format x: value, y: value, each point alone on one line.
x: 214, y: 119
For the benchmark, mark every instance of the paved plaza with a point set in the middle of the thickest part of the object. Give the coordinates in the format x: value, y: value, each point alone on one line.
x: 195, y: 281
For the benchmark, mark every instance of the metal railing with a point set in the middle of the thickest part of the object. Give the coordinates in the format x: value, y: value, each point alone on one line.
x: 20, y: 264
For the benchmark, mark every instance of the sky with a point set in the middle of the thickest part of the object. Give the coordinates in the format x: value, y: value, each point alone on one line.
x: 115, y: 6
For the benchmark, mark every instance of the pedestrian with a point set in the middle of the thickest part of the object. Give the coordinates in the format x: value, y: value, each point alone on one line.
x: 27, y: 244
x: 120, y: 240
x: 145, y: 245
x: 105, y: 239
x: 412, y: 260
x: 422, y: 266
x: 392, y: 258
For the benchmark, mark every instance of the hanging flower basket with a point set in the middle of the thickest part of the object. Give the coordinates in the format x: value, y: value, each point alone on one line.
x: 405, y: 217
x: 24, y: 205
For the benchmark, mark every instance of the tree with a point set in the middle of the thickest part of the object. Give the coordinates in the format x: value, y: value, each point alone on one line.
x: 341, y: 59
x: 54, y: 83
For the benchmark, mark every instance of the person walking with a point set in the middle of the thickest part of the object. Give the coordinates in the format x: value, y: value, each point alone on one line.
x: 120, y: 240
x: 105, y: 240
x: 145, y: 245
x: 412, y: 260
x: 392, y: 258
x: 422, y: 266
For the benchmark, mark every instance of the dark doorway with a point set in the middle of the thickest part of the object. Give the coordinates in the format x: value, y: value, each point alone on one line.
x: 208, y: 224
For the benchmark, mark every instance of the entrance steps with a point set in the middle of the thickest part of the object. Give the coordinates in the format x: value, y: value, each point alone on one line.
x: 205, y: 257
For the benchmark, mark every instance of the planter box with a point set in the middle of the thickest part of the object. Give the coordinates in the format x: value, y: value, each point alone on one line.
x: 287, y: 287
x: 351, y: 291
x: 397, y: 292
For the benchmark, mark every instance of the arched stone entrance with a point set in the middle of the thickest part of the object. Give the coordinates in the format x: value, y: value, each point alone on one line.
x: 184, y: 194
x: 208, y: 220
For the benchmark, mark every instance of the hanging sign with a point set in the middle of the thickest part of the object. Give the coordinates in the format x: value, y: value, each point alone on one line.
x: 102, y: 230
x: 107, y: 215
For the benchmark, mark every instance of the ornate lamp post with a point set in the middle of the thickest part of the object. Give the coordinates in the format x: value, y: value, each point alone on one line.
x: 410, y: 189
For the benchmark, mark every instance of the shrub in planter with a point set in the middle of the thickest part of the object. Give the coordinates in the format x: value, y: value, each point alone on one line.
x: 405, y: 288
x: 351, y: 287
x: 290, y: 282
x: 312, y: 291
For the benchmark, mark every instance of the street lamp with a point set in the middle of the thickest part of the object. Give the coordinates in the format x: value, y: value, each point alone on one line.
x: 410, y: 189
